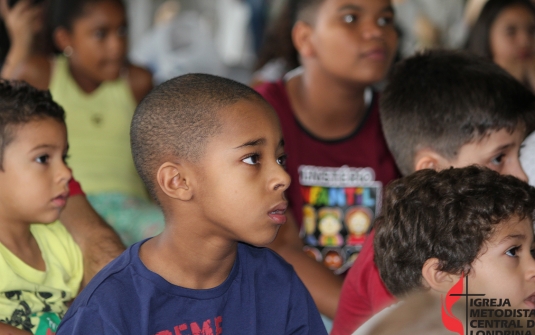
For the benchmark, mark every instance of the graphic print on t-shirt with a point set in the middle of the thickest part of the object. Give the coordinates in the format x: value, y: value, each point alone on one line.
x: 340, y: 205
x: 36, y: 311
x: 208, y: 328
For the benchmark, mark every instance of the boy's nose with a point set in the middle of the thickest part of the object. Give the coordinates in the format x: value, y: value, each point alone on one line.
x: 65, y: 174
x: 371, y: 29
x: 117, y: 46
x: 525, y: 38
x: 530, y: 271
x: 281, y: 181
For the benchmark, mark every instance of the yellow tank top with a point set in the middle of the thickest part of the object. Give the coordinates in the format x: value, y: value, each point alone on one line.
x: 98, y: 126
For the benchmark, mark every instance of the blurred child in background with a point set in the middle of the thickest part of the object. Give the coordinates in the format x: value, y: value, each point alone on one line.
x: 99, y: 91
x: 337, y: 155
x: 505, y: 33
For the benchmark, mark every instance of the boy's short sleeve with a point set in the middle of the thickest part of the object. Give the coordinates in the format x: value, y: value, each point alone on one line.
x: 75, y: 188
x: 87, y: 320
x: 363, y: 292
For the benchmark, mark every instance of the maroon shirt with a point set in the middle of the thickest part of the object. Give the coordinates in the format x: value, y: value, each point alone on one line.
x: 336, y: 184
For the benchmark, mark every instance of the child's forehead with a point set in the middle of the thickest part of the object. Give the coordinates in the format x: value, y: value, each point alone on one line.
x: 247, y: 120
x: 246, y: 112
x: 101, y: 12
x: 514, y: 230
x: 37, y: 130
x: 495, y: 139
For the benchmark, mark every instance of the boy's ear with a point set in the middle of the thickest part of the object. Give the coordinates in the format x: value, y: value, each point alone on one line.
x: 175, y: 181
x: 438, y: 281
x: 301, y: 33
x: 61, y: 38
x: 428, y: 159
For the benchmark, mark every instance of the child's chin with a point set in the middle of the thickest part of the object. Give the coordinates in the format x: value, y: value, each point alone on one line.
x: 47, y: 219
x: 264, y: 242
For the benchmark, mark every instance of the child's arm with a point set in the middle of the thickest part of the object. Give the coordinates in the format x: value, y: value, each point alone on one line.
x: 140, y: 81
x: 323, y: 285
x: 22, y: 22
x: 97, y: 240
x: 10, y: 330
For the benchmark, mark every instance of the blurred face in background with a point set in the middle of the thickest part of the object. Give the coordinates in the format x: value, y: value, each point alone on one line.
x: 512, y: 38
x: 354, y: 40
x: 99, y: 42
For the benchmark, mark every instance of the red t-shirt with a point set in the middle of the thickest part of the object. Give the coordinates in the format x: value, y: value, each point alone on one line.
x: 75, y: 188
x: 336, y: 184
x: 363, y: 293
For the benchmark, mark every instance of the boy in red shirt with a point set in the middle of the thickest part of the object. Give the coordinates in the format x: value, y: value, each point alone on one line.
x: 440, y: 109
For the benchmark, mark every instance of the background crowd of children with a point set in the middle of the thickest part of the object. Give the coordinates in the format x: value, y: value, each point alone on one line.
x: 357, y: 110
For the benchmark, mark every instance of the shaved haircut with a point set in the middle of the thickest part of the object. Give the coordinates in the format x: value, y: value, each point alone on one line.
x: 178, y: 118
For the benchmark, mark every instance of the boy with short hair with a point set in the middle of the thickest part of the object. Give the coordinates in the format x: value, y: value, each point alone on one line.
x: 440, y: 109
x: 437, y: 227
x: 211, y: 152
x: 41, y: 266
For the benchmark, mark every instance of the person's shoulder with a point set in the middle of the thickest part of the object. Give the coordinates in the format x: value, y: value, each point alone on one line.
x: 276, y: 95
x: 55, y: 237
x: 140, y: 81
x: 274, y: 92
x: 36, y: 71
x: 269, y: 88
x: 115, y: 280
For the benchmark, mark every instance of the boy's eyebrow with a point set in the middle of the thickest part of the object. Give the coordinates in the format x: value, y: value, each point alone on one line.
x: 388, y: 8
x: 253, y: 143
x: 521, y: 237
x: 257, y: 142
x: 503, y: 147
x: 44, y: 146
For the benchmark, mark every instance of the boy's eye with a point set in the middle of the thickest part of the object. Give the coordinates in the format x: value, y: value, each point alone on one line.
x: 252, y: 160
x: 512, y: 251
x: 99, y: 34
x: 385, y: 21
x: 42, y: 159
x: 510, y: 31
x: 349, y: 18
x: 498, y: 159
x: 282, y: 160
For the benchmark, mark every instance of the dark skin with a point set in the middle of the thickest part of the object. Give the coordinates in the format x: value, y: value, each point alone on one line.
x: 346, y: 47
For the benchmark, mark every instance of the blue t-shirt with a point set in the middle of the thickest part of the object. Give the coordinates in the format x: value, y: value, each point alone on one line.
x: 262, y: 295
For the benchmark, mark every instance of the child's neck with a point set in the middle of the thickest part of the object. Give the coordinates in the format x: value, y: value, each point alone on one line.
x: 17, y: 238
x: 85, y: 83
x: 185, y: 258
x: 326, y: 107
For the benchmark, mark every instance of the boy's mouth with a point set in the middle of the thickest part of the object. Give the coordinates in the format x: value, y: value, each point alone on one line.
x: 375, y: 54
x: 60, y: 200
x: 530, y: 301
x: 277, y: 213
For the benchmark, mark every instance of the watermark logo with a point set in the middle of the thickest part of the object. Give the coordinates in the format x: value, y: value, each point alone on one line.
x: 485, y: 316
x: 448, y: 319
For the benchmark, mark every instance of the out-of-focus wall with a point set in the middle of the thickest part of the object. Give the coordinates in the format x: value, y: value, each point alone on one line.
x: 141, y: 13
